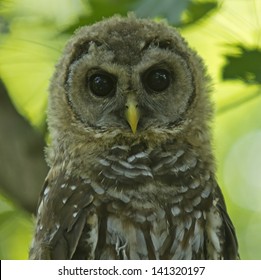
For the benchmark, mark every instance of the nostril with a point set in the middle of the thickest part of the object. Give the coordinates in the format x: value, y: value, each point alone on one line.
x: 127, y: 106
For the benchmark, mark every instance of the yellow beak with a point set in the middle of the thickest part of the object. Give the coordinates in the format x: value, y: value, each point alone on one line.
x: 132, y: 113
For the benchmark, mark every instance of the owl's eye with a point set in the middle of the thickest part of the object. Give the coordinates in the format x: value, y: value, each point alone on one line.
x: 156, y: 80
x: 102, y: 84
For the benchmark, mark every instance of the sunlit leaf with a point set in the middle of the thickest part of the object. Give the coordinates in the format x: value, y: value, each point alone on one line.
x: 15, y: 231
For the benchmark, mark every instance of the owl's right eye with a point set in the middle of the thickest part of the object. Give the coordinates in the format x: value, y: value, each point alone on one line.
x: 102, y: 84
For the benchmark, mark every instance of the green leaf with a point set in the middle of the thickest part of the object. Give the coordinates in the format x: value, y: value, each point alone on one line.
x: 170, y: 9
x: 176, y: 12
x: 245, y: 65
x: 198, y: 10
x: 179, y: 13
x: 101, y: 9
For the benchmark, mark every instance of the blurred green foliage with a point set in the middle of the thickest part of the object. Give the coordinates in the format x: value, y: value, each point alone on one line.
x: 33, y: 34
x: 15, y: 231
x: 243, y: 65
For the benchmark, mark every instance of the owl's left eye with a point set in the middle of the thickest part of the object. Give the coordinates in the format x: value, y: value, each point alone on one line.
x: 102, y: 84
x: 156, y: 80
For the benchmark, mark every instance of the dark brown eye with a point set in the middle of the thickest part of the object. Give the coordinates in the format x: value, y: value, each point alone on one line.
x: 102, y: 84
x: 156, y: 80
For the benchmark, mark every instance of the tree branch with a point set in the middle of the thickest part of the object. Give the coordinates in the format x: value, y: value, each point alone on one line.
x: 22, y: 164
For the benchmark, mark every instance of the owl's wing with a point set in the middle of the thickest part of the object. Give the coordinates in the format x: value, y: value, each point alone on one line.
x: 231, y: 244
x: 62, y: 213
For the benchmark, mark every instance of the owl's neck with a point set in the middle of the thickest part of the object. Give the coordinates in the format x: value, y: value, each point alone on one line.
x: 135, y: 159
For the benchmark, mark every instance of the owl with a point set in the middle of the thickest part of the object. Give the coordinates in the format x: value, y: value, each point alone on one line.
x: 132, y: 172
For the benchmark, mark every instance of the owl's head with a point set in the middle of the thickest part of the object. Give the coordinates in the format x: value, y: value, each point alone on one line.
x: 130, y: 77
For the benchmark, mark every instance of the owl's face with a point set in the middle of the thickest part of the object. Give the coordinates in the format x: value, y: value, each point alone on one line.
x: 132, y: 76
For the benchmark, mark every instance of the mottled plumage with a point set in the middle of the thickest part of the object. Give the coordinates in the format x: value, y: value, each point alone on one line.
x: 132, y: 174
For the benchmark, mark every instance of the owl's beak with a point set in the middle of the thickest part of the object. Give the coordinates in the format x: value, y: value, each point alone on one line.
x: 132, y: 113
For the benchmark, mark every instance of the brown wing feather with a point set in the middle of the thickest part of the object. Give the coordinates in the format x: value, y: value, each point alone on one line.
x: 231, y: 244
x: 62, y: 215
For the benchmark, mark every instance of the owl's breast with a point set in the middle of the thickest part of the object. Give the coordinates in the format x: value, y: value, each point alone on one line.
x: 125, y: 166
x: 165, y: 174
x: 151, y: 201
